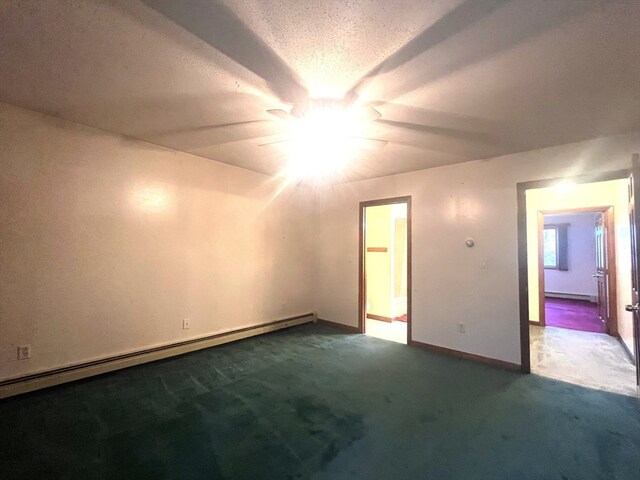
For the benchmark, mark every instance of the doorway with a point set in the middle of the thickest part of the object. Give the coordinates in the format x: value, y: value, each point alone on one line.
x: 576, y: 274
x: 385, y: 269
x: 577, y: 281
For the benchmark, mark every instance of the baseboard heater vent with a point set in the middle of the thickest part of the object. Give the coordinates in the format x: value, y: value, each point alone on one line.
x: 36, y: 381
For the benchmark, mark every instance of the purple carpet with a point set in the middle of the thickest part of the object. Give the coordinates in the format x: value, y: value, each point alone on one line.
x: 573, y: 314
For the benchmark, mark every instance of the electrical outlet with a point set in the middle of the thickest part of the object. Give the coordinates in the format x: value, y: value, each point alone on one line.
x: 24, y: 352
x: 462, y: 328
x: 483, y: 264
x: 186, y: 323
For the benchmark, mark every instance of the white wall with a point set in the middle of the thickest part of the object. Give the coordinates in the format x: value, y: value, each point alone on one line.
x: 581, y: 256
x: 106, y: 244
x: 474, y: 199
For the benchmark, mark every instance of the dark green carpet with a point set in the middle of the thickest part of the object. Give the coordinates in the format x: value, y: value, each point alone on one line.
x: 311, y: 402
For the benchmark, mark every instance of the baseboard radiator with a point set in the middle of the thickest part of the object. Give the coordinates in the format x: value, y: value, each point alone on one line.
x: 36, y: 381
x: 571, y: 296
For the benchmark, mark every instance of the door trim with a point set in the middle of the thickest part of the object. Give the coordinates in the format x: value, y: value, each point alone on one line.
x: 362, y: 304
x: 523, y: 271
x: 612, y: 325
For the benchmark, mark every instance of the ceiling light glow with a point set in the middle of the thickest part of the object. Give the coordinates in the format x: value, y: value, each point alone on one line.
x: 150, y: 199
x: 565, y: 187
x: 322, y: 141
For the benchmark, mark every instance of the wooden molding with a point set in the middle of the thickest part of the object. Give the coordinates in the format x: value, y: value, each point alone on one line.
x: 362, y: 281
x: 49, y: 378
x: 341, y: 326
x: 612, y: 272
x: 523, y: 278
x: 542, y: 316
x: 569, y: 211
x: 513, y: 367
x: 382, y: 318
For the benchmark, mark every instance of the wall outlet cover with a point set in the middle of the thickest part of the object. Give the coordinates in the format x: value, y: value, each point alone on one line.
x: 186, y: 323
x: 24, y: 352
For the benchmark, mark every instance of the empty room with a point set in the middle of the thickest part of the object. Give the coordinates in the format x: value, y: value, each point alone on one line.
x: 320, y: 239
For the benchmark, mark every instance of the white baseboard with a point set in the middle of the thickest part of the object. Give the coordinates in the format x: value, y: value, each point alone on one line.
x: 571, y: 296
x: 29, y: 383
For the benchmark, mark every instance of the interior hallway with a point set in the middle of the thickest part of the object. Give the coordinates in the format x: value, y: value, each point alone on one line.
x: 593, y: 360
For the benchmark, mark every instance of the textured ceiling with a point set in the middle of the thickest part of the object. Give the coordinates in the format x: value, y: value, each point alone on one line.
x: 454, y: 80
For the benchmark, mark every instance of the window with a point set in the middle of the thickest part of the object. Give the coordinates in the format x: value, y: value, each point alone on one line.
x: 554, y: 246
x: 550, y: 242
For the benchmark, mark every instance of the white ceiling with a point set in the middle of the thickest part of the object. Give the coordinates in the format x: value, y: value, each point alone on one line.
x: 454, y: 80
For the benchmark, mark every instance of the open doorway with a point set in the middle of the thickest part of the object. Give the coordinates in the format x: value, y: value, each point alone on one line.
x: 578, y: 286
x: 579, y: 280
x: 385, y: 269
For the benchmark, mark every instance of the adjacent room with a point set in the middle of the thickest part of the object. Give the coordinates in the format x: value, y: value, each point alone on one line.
x: 385, y: 270
x: 318, y: 239
x: 575, y: 298
x: 580, y: 274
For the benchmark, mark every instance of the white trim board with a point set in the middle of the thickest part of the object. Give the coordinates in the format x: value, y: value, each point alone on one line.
x: 29, y: 383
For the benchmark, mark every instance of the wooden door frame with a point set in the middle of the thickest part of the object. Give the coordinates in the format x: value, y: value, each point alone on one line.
x: 523, y: 270
x: 362, y: 291
x: 612, y: 325
x: 635, y: 275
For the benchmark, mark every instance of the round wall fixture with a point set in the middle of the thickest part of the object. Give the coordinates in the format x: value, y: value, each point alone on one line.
x: 470, y: 242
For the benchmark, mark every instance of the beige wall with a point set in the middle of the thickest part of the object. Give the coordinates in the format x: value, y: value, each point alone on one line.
x: 108, y: 243
x: 400, y: 258
x: 474, y: 199
x: 623, y: 266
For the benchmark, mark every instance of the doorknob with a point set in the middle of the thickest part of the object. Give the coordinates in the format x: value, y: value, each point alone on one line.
x: 632, y: 308
x: 596, y: 275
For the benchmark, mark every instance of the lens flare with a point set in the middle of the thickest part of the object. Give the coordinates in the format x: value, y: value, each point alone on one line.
x: 322, y: 141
